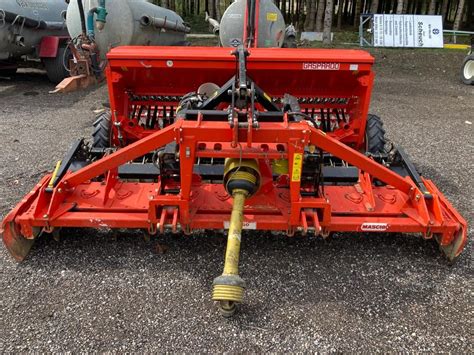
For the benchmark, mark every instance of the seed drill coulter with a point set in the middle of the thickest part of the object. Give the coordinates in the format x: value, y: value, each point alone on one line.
x: 267, y: 139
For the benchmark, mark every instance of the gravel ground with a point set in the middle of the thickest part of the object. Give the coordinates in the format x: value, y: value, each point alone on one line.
x: 98, y: 291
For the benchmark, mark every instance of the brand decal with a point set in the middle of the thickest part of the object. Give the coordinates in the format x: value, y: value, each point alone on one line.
x: 321, y: 66
x: 245, y: 225
x: 235, y: 42
x: 374, y: 227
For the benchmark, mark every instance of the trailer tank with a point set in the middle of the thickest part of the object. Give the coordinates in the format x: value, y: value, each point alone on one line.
x: 271, y: 25
x: 131, y: 22
x: 23, y: 26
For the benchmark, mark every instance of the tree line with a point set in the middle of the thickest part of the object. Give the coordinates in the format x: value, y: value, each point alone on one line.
x: 314, y: 15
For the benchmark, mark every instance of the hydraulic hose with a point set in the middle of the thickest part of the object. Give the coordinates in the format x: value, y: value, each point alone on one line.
x: 101, y: 18
x: 33, y: 23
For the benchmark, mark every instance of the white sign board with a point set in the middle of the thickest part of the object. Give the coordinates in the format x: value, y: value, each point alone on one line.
x: 419, y: 31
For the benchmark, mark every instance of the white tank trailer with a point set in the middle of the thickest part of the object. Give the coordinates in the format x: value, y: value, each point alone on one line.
x: 32, y: 29
x: 128, y: 22
x: 272, y: 31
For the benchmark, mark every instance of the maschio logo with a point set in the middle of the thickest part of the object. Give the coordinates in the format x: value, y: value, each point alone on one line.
x: 374, y: 227
x: 435, y: 31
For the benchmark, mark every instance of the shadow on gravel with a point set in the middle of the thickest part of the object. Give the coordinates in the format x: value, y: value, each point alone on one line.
x: 30, y: 84
x: 389, y: 271
x: 24, y: 81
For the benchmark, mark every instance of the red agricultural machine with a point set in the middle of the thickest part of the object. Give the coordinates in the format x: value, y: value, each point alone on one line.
x: 229, y: 139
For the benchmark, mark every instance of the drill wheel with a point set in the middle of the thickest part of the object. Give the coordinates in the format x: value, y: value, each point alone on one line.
x: 375, y: 135
x: 101, y: 137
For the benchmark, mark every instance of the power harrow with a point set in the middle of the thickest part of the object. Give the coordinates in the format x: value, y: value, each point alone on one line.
x: 225, y: 139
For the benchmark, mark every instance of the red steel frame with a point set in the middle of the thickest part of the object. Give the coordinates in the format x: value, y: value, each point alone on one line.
x: 78, y: 201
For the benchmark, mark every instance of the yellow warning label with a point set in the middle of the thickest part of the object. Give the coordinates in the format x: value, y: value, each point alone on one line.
x: 272, y: 16
x: 297, y: 164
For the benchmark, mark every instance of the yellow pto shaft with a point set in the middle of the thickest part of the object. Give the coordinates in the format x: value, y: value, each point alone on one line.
x: 241, y: 179
x: 231, y: 266
x: 229, y: 287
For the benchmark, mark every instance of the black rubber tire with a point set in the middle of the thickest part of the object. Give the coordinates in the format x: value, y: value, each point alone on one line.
x: 102, y: 132
x: 468, y: 69
x: 55, y: 66
x: 375, y: 135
